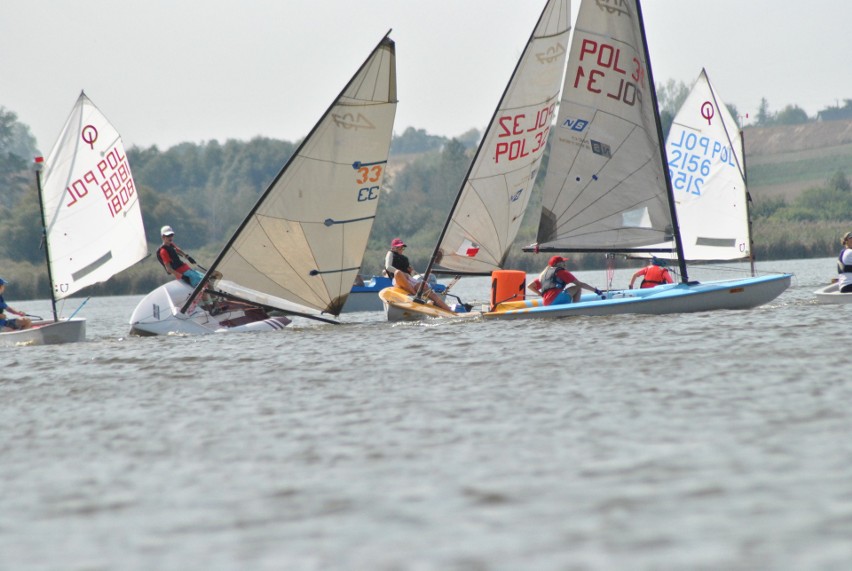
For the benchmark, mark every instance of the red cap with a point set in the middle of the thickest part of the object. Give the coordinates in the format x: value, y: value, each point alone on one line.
x: 396, y: 243
x: 556, y: 260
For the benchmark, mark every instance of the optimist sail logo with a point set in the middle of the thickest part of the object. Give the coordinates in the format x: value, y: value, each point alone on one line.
x: 89, y: 134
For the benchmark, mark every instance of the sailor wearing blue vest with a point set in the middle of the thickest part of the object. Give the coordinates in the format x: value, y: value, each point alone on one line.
x: 557, y: 285
x: 11, y: 324
x: 844, y: 264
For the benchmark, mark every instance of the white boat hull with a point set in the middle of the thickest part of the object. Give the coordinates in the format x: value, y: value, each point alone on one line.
x: 831, y: 295
x: 47, y: 333
x: 745, y: 293
x: 159, y: 314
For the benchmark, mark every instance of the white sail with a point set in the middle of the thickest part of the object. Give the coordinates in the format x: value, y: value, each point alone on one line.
x: 304, y: 240
x: 704, y: 150
x: 495, y: 194
x: 91, y: 206
x: 605, y: 187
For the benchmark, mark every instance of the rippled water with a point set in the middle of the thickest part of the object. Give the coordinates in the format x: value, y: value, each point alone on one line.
x: 703, y: 441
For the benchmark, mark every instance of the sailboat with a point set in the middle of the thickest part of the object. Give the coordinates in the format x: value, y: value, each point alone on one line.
x: 90, y: 214
x: 489, y: 207
x: 706, y: 159
x: 609, y: 188
x: 299, y: 249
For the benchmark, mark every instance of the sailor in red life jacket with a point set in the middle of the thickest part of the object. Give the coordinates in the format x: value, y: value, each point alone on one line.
x: 557, y: 285
x: 169, y: 255
x: 654, y: 274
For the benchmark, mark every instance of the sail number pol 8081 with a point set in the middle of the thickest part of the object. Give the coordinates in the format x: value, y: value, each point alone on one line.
x: 112, y: 176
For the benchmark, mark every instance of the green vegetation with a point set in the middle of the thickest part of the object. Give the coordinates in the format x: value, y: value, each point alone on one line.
x: 204, y: 191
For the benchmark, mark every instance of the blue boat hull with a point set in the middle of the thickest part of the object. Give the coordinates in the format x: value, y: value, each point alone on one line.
x: 744, y: 293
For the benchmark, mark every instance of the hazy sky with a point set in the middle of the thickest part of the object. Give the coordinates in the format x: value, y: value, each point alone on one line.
x: 169, y: 71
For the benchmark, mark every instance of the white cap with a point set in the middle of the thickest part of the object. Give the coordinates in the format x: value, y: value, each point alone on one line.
x: 167, y: 231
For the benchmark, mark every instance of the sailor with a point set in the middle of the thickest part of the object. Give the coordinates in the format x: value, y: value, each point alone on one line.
x: 844, y: 264
x: 557, y: 285
x: 11, y: 324
x: 654, y: 274
x: 396, y: 260
x: 169, y: 256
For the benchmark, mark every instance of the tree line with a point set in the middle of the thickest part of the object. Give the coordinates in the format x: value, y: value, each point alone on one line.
x: 204, y: 190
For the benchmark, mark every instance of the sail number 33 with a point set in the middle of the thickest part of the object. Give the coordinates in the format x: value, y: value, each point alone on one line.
x: 365, y: 176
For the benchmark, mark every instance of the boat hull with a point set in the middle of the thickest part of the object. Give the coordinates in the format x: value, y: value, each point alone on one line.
x: 675, y: 298
x: 47, y: 333
x: 159, y: 314
x: 399, y: 306
x: 831, y: 295
x: 366, y: 297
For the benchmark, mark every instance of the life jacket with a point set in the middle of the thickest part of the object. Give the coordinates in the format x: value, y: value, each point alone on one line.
x: 654, y: 276
x: 175, y: 263
x: 841, y: 267
x: 400, y: 262
x: 549, y: 279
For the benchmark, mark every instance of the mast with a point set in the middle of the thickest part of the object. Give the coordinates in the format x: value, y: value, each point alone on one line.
x: 39, y: 163
x: 473, y: 162
x: 748, y: 204
x: 661, y: 140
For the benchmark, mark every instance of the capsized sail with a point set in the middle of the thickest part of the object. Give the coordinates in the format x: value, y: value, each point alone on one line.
x: 705, y: 154
x: 93, y: 219
x: 605, y: 188
x: 494, y: 196
x: 305, y: 238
